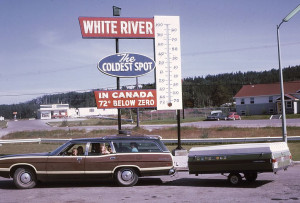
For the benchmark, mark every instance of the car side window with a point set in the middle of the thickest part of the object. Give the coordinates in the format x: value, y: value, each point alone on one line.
x: 99, y: 148
x: 74, y: 150
x: 136, y: 146
x: 149, y: 147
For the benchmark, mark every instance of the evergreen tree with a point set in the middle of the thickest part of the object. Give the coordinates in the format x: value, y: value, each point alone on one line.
x: 198, y: 91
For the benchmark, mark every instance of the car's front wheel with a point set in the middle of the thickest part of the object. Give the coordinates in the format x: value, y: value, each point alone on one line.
x: 24, y: 178
x: 126, y: 177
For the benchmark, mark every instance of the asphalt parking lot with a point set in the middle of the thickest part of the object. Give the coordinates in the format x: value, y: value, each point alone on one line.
x: 283, y: 187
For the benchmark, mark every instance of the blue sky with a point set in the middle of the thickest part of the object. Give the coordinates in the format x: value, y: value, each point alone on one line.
x: 42, y: 51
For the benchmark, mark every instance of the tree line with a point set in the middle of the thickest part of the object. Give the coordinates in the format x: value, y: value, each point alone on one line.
x: 198, y: 92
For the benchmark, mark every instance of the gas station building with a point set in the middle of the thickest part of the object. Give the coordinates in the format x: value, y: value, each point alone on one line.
x: 52, y: 111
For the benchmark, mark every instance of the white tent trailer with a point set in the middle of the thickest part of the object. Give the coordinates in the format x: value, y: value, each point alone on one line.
x: 236, y: 159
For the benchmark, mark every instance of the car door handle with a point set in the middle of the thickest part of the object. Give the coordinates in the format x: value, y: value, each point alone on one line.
x: 112, y: 158
x: 79, y: 159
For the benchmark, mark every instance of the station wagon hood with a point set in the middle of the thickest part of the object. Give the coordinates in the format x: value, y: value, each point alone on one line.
x: 21, y: 155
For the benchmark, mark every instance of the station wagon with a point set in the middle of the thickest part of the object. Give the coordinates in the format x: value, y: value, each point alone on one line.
x: 123, y: 158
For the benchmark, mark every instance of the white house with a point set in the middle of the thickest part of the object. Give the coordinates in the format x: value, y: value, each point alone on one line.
x: 265, y: 99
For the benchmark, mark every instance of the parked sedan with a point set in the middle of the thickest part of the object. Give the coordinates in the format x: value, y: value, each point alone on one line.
x: 233, y: 116
x: 216, y: 117
x: 123, y: 158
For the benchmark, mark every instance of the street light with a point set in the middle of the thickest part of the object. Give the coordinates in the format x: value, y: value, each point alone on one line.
x: 286, y: 19
x: 291, y: 14
x: 117, y: 12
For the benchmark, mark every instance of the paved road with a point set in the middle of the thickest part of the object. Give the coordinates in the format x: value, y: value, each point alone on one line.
x: 283, y: 187
x: 31, y: 125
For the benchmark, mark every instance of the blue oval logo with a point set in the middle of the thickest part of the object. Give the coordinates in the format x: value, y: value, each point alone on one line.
x: 126, y: 65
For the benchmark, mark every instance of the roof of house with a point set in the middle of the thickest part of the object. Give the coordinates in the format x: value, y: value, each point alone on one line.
x: 268, y: 89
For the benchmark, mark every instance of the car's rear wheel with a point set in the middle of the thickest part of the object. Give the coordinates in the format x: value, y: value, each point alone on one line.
x: 235, y: 178
x: 24, y: 178
x: 126, y: 177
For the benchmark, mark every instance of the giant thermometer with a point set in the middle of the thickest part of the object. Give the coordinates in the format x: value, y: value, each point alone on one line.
x: 168, y: 62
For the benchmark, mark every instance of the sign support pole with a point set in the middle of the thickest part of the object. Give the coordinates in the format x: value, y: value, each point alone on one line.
x: 137, y: 110
x: 118, y: 88
x: 179, y: 147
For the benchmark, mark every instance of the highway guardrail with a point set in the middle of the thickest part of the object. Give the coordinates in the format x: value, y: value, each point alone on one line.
x: 169, y: 141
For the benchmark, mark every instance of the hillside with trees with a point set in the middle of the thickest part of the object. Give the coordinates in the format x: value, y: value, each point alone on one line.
x: 199, y: 91
x: 214, y: 90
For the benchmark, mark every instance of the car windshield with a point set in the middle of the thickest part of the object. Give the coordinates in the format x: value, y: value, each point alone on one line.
x: 59, y: 149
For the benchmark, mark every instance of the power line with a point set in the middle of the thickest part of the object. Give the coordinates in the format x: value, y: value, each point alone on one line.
x: 39, y: 72
x: 238, y: 50
x: 63, y: 92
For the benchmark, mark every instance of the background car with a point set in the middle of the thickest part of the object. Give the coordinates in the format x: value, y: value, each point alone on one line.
x: 233, y: 116
x: 216, y: 117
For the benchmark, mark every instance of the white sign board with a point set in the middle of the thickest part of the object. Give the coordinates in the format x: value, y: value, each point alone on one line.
x: 168, y: 62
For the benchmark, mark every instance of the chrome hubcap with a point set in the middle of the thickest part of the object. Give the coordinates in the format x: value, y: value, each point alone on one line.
x: 25, y: 178
x: 126, y: 175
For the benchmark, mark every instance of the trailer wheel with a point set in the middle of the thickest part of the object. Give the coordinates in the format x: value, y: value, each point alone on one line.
x: 234, y: 178
x: 251, y: 176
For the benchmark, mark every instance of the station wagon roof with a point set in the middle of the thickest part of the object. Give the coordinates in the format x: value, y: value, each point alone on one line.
x: 117, y: 137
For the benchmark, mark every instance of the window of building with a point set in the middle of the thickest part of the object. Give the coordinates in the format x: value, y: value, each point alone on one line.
x: 62, y: 106
x: 243, y: 113
x: 45, y: 106
x: 252, y: 100
x: 271, y: 111
x: 242, y: 101
x: 289, y: 104
x: 270, y: 99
